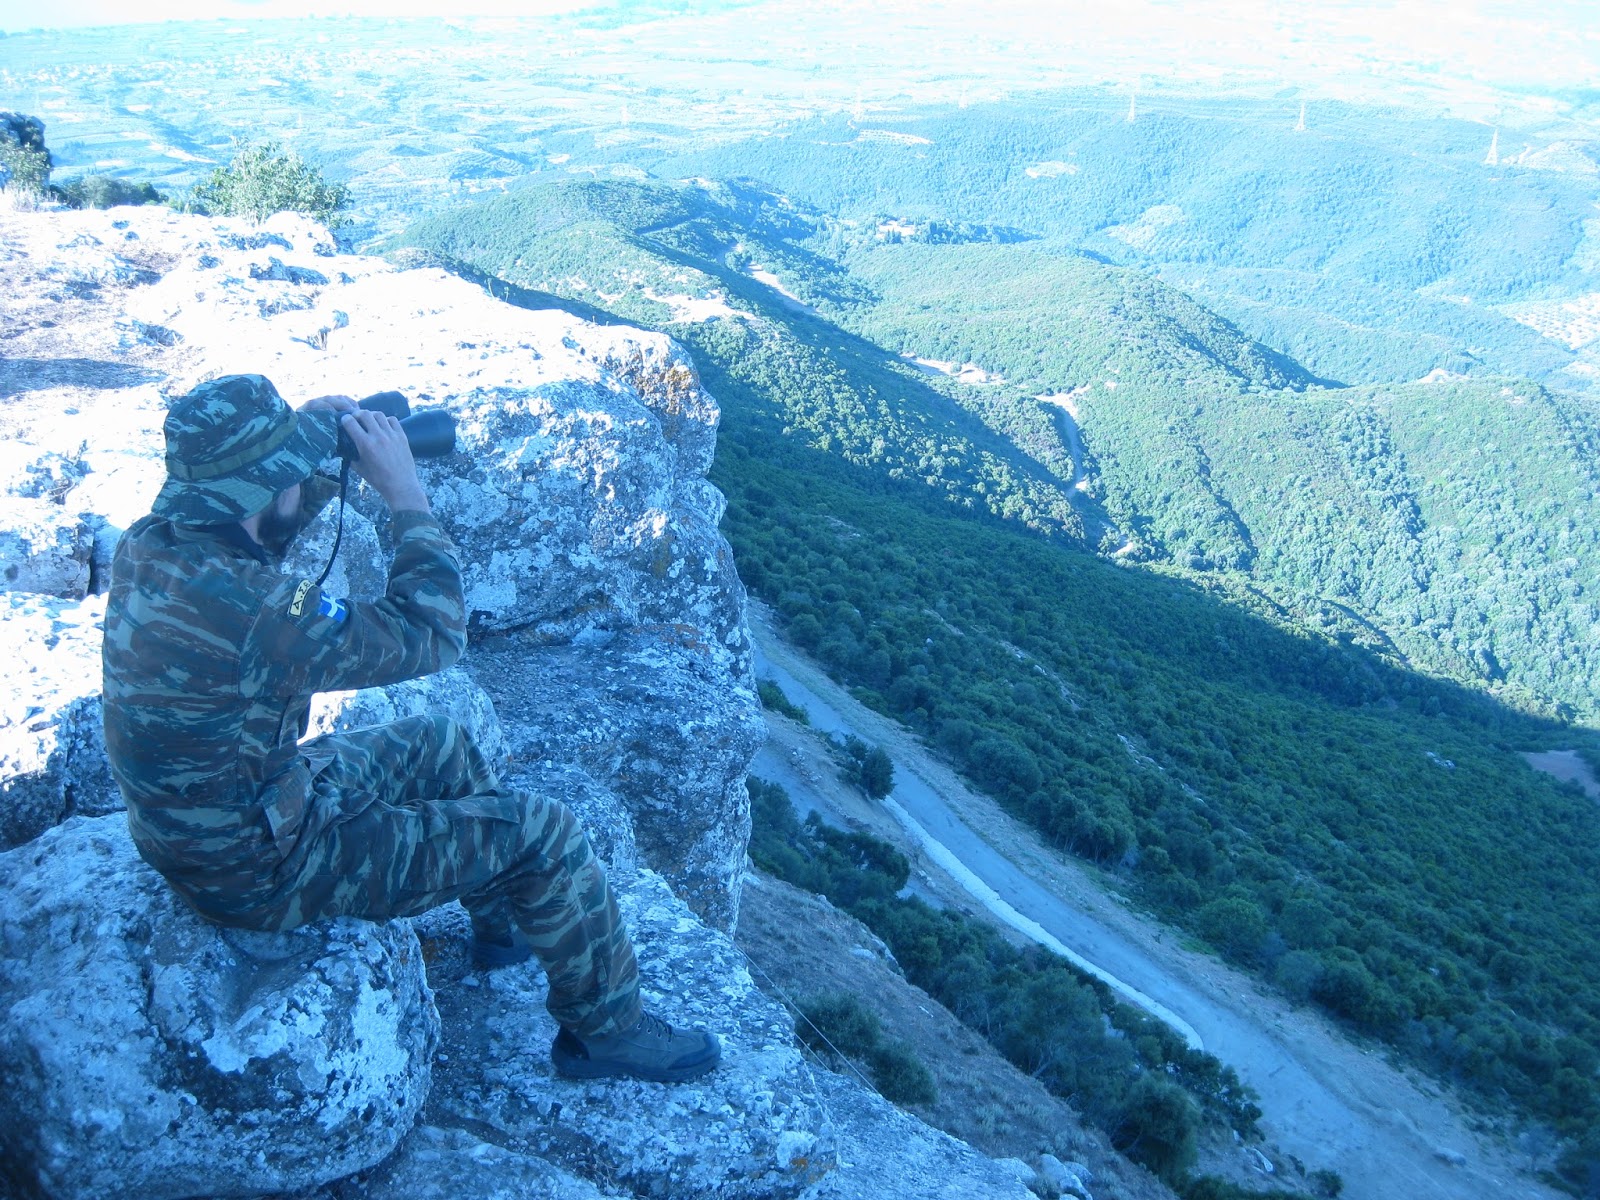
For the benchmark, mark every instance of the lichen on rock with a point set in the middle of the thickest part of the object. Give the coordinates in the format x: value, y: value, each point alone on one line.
x: 148, y: 1052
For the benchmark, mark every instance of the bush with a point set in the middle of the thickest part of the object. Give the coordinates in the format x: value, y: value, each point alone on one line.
x: 265, y: 178
x: 24, y: 170
x: 1158, y: 1127
x: 838, y: 1023
x: 1234, y: 925
x: 868, y: 768
x: 900, y: 1075
x: 102, y: 191
x: 772, y: 697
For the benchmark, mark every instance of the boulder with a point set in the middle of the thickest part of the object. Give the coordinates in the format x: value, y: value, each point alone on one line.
x: 1063, y: 1179
x: 146, y: 1052
x: 753, y: 1128
x: 43, y: 548
x: 453, y: 693
x: 566, y: 501
x: 657, y: 722
x: 52, y: 743
x: 451, y: 1164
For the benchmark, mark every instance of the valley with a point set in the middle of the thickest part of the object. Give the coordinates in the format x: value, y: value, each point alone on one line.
x: 1328, y: 1103
x: 1193, y: 479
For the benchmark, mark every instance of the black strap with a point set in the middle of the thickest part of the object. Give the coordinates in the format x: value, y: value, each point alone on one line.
x: 344, y: 482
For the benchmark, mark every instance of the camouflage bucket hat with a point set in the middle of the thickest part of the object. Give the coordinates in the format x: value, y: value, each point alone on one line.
x: 232, y: 445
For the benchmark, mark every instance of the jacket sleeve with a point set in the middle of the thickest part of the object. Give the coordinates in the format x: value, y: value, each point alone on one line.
x: 304, y: 641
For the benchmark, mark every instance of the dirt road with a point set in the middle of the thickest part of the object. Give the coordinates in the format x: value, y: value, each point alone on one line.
x: 1329, y: 1102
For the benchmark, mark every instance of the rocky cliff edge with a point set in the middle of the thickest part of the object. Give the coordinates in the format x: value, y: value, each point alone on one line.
x: 144, y: 1052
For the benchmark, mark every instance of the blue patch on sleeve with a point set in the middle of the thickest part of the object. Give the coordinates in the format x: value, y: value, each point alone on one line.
x: 334, y: 609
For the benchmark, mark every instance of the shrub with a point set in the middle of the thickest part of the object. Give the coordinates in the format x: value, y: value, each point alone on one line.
x: 102, y: 191
x: 24, y: 170
x: 900, y: 1075
x: 1158, y: 1127
x: 1234, y: 925
x: 265, y: 178
x: 772, y: 697
x: 837, y: 1022
x: 868, y: 768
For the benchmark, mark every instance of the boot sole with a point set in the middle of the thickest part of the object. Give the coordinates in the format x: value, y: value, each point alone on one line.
x: 571, y: 1067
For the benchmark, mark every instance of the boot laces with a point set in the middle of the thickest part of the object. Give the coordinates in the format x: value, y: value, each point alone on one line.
x: 652, y: 1026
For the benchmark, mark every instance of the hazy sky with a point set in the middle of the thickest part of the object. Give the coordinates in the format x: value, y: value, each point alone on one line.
x: 1487, y: 53
x: 28, y: 14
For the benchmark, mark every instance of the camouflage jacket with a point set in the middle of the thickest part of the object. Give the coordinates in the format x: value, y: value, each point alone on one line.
x: 210, y: 660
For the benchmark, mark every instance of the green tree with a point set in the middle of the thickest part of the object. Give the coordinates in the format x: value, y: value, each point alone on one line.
x: 24, y: 170
x: 1158, y: 1127
x: 265, y: 178
x: 1234, y: 925
x: 877, y: 773
x: 103, y: 191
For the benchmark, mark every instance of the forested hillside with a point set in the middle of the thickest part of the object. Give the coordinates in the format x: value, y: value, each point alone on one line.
x: 1234, y: 725
x: 1374, y: 246
x: 1454, y: 519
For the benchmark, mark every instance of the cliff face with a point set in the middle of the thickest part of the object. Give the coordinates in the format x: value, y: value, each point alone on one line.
x: 610, y: 667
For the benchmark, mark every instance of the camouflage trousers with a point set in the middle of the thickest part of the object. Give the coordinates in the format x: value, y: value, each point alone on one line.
x: 418, y: 819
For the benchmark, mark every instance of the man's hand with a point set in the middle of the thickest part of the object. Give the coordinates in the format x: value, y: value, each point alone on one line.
x: 338, y: 404
x: 385, y: 459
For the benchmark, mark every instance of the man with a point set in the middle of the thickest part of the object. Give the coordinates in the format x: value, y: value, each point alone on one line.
x: 211, y: 657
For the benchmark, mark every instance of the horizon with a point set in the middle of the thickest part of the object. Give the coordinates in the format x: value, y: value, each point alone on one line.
x: 1484, y: 56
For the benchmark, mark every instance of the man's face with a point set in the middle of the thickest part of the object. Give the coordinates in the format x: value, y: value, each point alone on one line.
x: 281, y: 521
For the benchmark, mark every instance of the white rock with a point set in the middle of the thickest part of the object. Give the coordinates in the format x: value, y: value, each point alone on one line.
x: 453, y: 693
x: 43, y: 548
x: 451, y: 1164
x: 659, y: 725
x: 146, y: 1052
x: 731, y: 1134
x: 52, y: 743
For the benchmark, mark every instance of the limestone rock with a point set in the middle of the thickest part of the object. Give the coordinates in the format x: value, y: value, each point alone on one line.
x: 1064, y: 1179
x: 52, y: 744
x: 886, y: 1152
x: 43, y: 548
x: 29, y: 470
x: 451, y: 1164
x: 660, y: 725
x: 453, y: 693
x: 567, y: 504
x: 145, y: 1052
x: 753, y: 1128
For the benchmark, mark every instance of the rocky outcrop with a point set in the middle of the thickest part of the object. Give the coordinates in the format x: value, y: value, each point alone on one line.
x: 147, y: 1052
x: 754, y: 1128
x: 578, y: 495
x: 609, y: 669
x: 52, y: 748
x: 43, y: 549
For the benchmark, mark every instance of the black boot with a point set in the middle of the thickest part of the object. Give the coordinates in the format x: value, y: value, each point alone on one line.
x: 651, y: 1050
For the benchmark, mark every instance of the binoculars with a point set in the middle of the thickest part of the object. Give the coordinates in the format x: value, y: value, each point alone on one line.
x: 430, y: 434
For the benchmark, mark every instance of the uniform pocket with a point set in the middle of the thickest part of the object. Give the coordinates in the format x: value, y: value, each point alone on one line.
x: 284, y: 805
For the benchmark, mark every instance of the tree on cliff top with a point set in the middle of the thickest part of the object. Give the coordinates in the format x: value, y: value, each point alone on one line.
x: 24, y: 162
x: 265, y: 178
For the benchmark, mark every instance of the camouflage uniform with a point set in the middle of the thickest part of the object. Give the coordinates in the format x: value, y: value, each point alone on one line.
x: 211, y: 656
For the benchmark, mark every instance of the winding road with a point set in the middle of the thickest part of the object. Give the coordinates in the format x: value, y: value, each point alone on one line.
x: 1328, y: 1102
